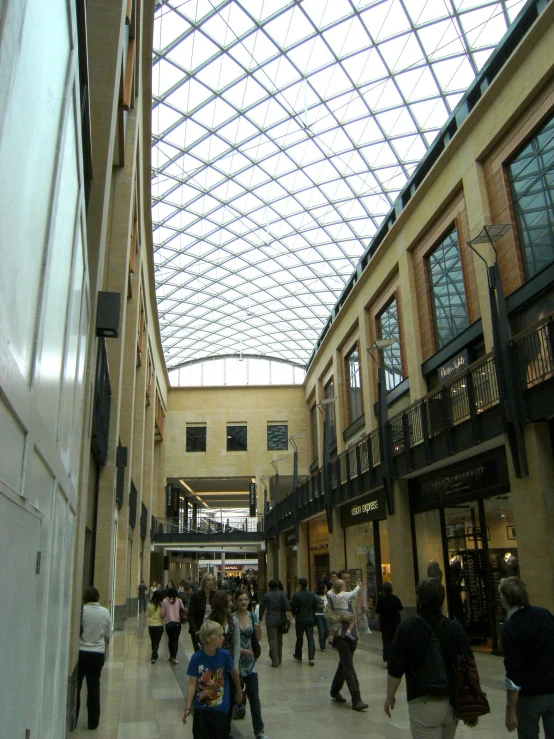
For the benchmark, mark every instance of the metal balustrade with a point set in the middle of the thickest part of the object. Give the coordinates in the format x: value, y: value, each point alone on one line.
x: 534, y: 353
x: 343, y: 469
x: 353, y: 463
x: 364, y: 457
x: 207, y: 525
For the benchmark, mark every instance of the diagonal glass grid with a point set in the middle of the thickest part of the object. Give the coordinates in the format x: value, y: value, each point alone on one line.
x: 283, y: 132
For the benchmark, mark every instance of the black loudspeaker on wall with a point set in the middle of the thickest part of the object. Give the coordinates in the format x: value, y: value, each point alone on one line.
x: 107, y: 315
x: 166, y: 563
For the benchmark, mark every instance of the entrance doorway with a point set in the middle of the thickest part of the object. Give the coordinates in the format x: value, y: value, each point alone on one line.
x: 321, y: 568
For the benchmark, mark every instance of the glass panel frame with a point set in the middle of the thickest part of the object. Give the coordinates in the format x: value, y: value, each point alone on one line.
x: 354, y: 386
x: 277, y: 437
x: 447, y: 288
x: 196, y: 438
x: 237, y: 438
x: 389, y: 328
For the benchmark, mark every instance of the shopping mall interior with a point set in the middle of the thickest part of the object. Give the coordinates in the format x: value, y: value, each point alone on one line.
x: 276, y: 298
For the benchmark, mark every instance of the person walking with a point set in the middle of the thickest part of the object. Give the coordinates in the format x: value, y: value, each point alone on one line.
x: 155, y: 623
x: 172, y: 608
x: 96, y: 630
x: 320, y: 620
x: 274, y: 605
x: 388, y: 609
x: 200, y: 607
x: 142, y: 591
x: 528, y: 643
x: 303, y: 608
x: 222, y: 602
x: 346, y: 647
x: 430, y: 711
x: 249, y: 626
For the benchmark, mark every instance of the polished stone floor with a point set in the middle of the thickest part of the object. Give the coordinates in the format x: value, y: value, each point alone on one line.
x: 144, y: 701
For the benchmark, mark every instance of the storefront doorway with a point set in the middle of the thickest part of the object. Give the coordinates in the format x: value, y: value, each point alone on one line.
x: 466, y: 537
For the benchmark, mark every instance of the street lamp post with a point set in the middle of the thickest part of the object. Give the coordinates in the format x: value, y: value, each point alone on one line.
x: 501, y: 334
x: 295, y: 507
x: 382, y: 419
x: 323, y: 407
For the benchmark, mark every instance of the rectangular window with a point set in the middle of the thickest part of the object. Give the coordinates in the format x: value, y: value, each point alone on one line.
x: 313, y: 418
x: 448, y: 297
x: 237, y: 439
x: 354, y: 385
x: 531, y: 176
x: 388, y: 329
x: 196, y: 438
x: 329, y: 392
x: 277, y: 436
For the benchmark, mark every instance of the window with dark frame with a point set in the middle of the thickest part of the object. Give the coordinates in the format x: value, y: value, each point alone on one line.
x: 354, y: 385
x: 328, y: 393
x: 196, y: 439
x: 313, y: 419
x: 531, y: 175
x: 448, y: 297
x: 237, y: 439
x: 389, y: 329
x: 277, y: 436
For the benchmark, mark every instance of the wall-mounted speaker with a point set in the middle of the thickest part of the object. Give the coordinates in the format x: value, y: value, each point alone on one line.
x: 107, y: 315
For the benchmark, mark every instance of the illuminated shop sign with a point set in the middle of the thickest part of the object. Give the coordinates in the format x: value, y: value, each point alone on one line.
x: 368, y: 508
x: 454, y: 366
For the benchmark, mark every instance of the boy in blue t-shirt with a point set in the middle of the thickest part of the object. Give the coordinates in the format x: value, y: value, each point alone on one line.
x: 209, y: 689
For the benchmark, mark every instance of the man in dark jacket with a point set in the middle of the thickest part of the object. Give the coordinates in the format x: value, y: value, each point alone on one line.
x: 388, y: 609
x: 528, y: 643
x: 408, y: 656
x: 303, y: 608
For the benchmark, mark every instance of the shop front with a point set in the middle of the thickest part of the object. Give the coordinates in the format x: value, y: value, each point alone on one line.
x: 465, y: 535
x: 318, y: 545
x: 367, y: 544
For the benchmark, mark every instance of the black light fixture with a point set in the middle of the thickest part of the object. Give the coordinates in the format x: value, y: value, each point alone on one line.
x: 501, y: 335
x: 107, y: 315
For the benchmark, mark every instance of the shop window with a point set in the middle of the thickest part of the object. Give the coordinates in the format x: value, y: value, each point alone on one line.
x: 313, y: 419
x: 237, y: 439
x: 388, y: 329
x: 277, y: 437
x: 447, y: 290
x: 354, y: 385
x: 328, y: 393
x: 196, y: 439
x: 531, y: 176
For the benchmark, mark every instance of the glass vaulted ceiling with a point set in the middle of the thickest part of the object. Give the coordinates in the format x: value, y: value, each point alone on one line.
x: 283, y: 131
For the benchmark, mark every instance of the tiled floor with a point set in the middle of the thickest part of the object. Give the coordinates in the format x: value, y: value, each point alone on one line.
x: 144, y: 701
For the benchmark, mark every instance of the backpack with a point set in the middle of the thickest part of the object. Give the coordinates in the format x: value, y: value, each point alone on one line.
x: 469, y: 700
x: 433, y: 678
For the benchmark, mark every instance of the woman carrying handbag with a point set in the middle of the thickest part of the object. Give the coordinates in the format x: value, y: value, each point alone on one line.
x: 274, y: 607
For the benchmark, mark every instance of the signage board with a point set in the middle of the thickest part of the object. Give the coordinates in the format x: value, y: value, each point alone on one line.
x: 290, y: 538
x: 454, y: 366
x: 368, y: 508
x: 252, y: 498
x: 169, y: 508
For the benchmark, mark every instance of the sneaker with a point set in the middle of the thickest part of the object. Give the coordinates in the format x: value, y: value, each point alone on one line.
x: 359, y: 705
x: 153, y: 661
x: 337, y: 697
x: 298, y: 659
x: 174, y: 661
x: 311, y: 663
x: 263, y: 735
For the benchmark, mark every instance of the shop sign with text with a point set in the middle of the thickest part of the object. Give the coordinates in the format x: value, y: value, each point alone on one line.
x: 454, y: 366
x: 370, y: 507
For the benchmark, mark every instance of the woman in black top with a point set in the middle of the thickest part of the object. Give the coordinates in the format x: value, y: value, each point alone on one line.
x: 274, y: 606
x: 200, y: 602
x: 388, y: 609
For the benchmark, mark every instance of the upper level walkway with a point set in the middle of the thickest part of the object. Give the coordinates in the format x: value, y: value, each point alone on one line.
x: 144, y: 701
x: 207, y: 530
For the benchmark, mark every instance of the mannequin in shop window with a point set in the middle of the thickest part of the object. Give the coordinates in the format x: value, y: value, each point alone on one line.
x: 433, y: 570
x: 456, y: 575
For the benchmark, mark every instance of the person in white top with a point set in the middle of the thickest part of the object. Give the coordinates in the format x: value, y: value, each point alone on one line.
x: 339, y: 598
x: 96, y: 630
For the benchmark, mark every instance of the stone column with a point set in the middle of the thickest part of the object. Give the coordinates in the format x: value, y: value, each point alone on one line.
x: 271, y: 569
x: 400, y: 547
x: 533, y: 506
x: 282, y: 559
x: 303, y: 553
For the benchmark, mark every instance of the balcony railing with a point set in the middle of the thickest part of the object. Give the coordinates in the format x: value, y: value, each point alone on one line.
x: 207, y: 525
x: 534, y: 353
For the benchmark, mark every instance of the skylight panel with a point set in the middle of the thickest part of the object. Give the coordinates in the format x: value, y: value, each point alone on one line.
x: 385, y: 19
x: 210, y: 148
x: 392, y: 179
x: 165, y: 76
x: 484, y: 26
x: 322, y: 171
x: 441, y: 40
x: 287, y: 133
x: 424, y: 11
x: 396, y: 122
x: 382, y: 95
x: 163, y: 118
x: 229, y: 24
x: 350, y: 210
x: 296, y: 180
x: 168, y: 26
x: 349, y: 163
x: 277, y: 74
x: 376, y: 205
x: 296, y: 98
x: 311, y: 55
x: 325, y: 13
x: 378, y: 155
x: 454, y: 74
x: 417, y: 84
x: 289, y: 28
x: 252, y: 177
x: 193, y: 51
x: 409, y: 148
x: 277, y: 164
x: 261, y: 11
x: 189, y: 96
x: 311, y: 198
x: 221, y: 73
x: 267, y: 114
x: 254, y: 50
x: 347, y: 37
x: 365, y: 67
x: 346, y: 108
x: 336, y: 191
x: 430, y: 114
x: 330, y: 82
x: 232, y: 164
x: 402, y: 52
x: 185, y: 134
x: 516, y: 6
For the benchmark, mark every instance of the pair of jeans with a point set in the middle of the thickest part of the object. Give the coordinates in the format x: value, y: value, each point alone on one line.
x: 323, y: 630
x: 156, y: 633
x: 301, y: 629
x: 529, y: 712
x: 275, y: 641
x: 90, y: 667
x: 142, y: 604
x: 433, y: 719
x: 253, y: 695
x: 173, y: 630
x: 209, y: 724
x: 345, y: 670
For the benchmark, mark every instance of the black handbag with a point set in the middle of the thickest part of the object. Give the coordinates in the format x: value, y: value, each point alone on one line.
x: 256, y: 648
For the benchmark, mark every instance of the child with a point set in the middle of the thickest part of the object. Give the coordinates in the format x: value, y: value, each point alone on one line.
x: 339, y: 598
x: 209, y: 685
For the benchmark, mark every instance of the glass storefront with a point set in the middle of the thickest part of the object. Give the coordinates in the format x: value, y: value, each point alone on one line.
x: 469, y: 543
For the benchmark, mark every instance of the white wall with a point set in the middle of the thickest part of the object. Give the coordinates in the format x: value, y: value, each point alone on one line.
x: 44, y: 323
